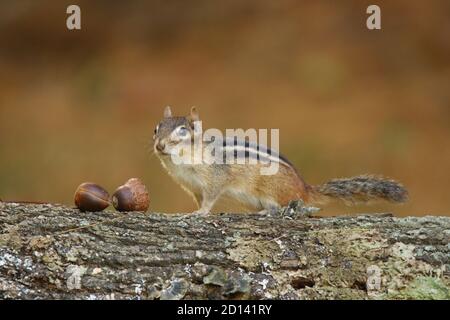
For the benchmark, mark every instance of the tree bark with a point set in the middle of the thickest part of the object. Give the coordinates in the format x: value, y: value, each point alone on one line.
x: 55, y: 252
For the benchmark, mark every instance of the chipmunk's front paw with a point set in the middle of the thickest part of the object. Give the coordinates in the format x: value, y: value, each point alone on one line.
x: 200, y: 212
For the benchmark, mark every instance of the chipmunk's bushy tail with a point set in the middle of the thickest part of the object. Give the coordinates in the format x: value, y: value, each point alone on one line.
x: 360, y: 189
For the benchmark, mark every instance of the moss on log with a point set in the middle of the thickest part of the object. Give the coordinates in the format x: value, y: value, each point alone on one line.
x: 56, y: 252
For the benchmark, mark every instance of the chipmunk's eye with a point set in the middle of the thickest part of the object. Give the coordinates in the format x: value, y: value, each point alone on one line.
x: 182, y: 131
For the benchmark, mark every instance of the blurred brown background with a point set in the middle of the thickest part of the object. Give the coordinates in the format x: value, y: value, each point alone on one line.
x: 82, y: 105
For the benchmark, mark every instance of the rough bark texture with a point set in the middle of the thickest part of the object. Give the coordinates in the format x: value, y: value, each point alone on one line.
x: 56, y: 252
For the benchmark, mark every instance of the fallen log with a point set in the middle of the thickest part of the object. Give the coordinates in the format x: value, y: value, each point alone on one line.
x: 56, y: 252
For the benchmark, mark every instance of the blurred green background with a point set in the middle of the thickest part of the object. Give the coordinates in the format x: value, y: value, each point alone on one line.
x: 81, y: 106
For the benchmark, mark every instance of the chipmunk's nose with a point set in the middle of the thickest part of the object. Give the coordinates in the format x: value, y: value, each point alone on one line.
x: 160, y: 146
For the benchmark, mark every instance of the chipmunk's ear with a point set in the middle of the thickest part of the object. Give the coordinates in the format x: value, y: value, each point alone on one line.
x: 167, y: 112
x: 194, y: 114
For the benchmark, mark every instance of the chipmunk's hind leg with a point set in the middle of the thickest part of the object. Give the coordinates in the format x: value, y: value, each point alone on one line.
x: 269, y: 206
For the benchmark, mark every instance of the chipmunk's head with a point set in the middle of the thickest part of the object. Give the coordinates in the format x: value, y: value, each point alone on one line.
x: 172, y: 130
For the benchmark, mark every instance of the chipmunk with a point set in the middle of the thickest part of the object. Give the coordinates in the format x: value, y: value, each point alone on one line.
x: 207, y: 181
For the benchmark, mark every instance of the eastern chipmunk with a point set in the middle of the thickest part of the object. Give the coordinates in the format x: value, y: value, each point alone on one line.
x: 207, y: 182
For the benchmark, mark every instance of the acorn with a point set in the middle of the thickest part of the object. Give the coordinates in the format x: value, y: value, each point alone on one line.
x: 132, y: 196
x: 91, y: 197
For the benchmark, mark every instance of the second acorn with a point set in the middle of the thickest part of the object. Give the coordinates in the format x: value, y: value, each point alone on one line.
x: 132, y: 196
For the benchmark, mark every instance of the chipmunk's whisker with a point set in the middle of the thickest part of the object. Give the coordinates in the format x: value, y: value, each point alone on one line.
x: 151, y: 151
